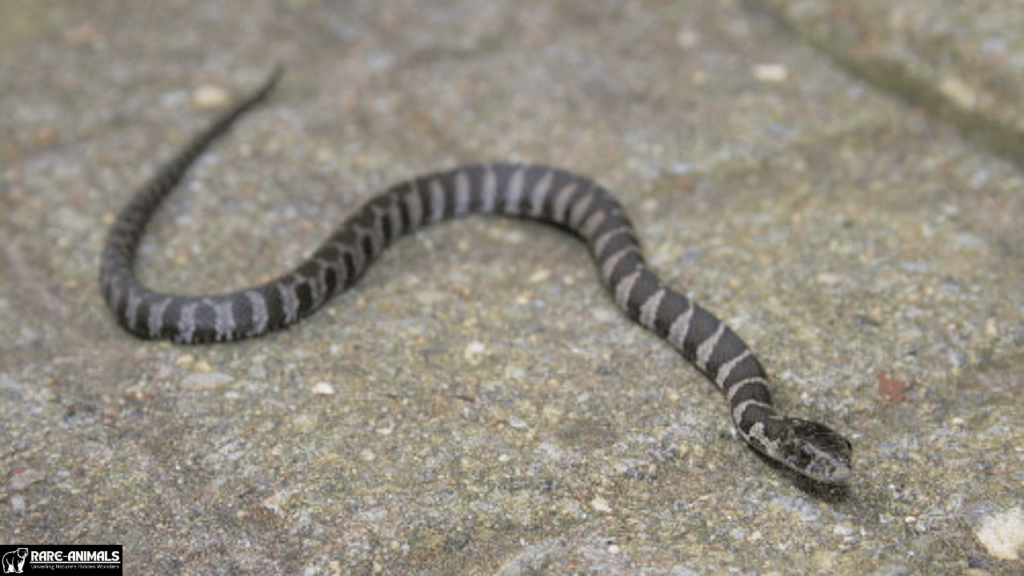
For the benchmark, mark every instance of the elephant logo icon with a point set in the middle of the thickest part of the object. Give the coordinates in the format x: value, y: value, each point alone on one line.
x: 14, y: 561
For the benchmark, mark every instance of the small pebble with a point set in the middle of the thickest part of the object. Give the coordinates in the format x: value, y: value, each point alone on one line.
x: 1002, y: 534
x: 18, y: 504
x: 516, y: 422
x: 600, y: 504
x: 771, y: 73
x: 208, y: 96
x: 323, y: 389
x: 959, y: 91
x: 539, y: 276
x: 474, y: 350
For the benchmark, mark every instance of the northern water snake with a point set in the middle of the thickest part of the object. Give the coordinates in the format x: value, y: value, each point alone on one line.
x: 569, y: 201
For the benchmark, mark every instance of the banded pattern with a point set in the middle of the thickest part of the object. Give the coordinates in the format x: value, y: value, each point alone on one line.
x: 570, y: 201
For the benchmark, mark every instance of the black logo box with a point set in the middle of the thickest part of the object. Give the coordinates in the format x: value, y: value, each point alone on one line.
x: 69, y: 559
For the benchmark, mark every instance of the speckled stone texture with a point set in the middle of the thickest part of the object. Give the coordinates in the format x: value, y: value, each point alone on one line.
x: 840, y: 181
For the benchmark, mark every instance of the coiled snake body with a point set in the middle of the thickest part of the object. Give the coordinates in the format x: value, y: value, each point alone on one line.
x: 542, y: 193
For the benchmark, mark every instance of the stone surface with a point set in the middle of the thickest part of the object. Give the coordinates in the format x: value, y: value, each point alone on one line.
x: 477, y: 405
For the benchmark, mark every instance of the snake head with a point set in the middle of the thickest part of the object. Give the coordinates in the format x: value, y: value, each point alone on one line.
x: 816, y: 451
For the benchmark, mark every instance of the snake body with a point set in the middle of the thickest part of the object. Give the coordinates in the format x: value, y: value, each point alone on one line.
x: 570, y: 201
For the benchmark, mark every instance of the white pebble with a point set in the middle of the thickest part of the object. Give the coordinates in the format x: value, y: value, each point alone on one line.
x: 323, y: 389
x: 474, y: 350
x: 771, y: 73
x: 517, y: 422
x: 539, y: 276
x: 1002, y: 534
x: 600, y: 504
x: 209, y: 96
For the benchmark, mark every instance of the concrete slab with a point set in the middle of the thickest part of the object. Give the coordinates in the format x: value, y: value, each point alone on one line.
x: 477, y: 404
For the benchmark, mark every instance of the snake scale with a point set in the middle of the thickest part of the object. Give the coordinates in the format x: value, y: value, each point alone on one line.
x: 569, y: 201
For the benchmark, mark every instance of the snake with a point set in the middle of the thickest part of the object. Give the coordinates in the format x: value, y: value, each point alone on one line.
x: 569, y: 201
